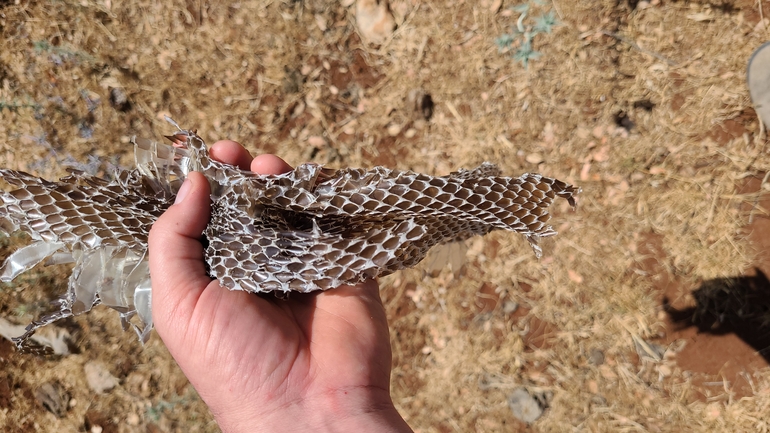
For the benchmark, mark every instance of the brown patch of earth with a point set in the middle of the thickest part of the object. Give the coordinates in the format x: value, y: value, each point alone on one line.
x: 730, y: 129
x: 752, y: 10
x: 488, y: 302
x: 389, y: 151
x: 539, y: 331
x: 5, y: 393
x: 723, y: 322
x: 99, y: 421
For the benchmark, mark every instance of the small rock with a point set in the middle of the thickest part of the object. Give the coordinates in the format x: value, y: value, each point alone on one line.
x: 292, y: 81
x: 394, y: 130
x: 607, y: 372
x: 574, y: 276
x: 598, y: 400
x: 374, y: 20
x: 524, y: 407
x: 132, y: 419
x: 596, y: 357
x: 54, y: 398
x: 713, y: 411
x: 510, y: 307
x: 593, y: 386
x: 534, y: 158
x: 119, y: 99
x: 601, y: 155
x: 316, y: 141
x: 320, y: 21
x: 99, y: 379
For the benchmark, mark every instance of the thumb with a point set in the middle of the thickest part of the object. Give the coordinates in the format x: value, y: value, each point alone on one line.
x: 177, y: 268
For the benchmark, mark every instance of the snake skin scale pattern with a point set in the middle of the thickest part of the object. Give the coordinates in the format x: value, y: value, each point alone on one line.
x: 310, y: 229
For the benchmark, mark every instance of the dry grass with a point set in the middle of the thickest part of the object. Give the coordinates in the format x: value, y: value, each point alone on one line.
x: 264, y: 73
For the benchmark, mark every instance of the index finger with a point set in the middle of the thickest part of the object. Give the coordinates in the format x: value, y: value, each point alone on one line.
x: 231, y: 152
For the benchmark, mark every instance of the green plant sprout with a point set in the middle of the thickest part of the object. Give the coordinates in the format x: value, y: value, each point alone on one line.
x: 15, y: 106
x: 524, y: 31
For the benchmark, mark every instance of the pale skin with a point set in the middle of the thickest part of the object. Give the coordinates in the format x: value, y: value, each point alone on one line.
x: 315, y: 362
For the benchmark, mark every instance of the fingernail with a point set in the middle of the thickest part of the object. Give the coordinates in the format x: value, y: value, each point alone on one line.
x: 183, y: 190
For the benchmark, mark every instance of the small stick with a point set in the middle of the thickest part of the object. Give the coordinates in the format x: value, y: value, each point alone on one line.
x: 637, y: 47
x: 761, y: 137
x: 759, y: 193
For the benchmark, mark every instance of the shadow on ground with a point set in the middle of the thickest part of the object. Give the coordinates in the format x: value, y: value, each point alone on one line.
x: 736, y: 305
x: 723, y: 325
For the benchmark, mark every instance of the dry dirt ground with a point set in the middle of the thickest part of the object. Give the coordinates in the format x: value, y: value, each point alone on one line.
x: 648, y: 312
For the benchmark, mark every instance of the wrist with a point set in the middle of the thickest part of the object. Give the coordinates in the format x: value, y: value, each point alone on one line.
x: 341, y: 410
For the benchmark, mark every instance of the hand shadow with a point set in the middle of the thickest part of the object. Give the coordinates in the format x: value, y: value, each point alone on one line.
x: 738, y: 305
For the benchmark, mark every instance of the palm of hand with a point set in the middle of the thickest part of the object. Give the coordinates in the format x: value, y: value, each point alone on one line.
x: 254, y: 355
x: 279, y: 352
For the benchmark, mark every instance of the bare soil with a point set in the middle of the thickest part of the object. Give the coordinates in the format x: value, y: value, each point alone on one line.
x: 650, y: 311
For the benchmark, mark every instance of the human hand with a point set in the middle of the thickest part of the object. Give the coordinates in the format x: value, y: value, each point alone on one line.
x: 318, y: 361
